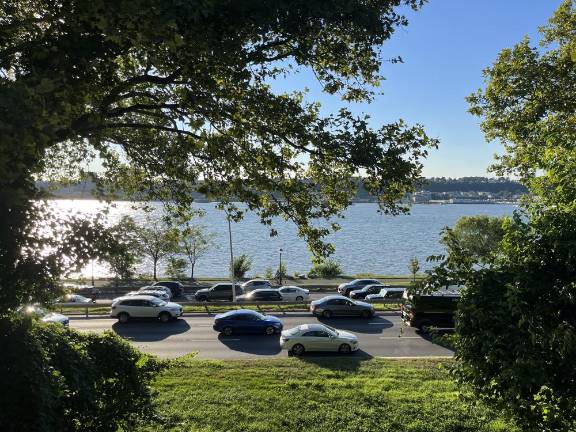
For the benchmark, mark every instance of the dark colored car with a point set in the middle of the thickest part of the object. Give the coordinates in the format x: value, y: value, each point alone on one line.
x: 368, y: 289
x: 176, y: 287
x: 356, y: 284
x: 247, y: 321
x: 436, y: 309
x: 261, y: 295
x: 336, y: 305
x: 220, y: 291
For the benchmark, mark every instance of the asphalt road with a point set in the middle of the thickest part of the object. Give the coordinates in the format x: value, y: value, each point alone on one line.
x: 383, y: 336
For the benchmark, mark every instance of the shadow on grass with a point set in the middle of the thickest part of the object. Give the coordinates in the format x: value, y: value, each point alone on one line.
x: 149, y: 330
x: 335, y: 361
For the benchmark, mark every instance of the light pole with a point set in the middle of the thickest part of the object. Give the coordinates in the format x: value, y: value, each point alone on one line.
x: 231, y: 259
x: 280, y: 268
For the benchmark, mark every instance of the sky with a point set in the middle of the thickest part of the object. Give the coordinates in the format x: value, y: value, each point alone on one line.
x: 445, y: 47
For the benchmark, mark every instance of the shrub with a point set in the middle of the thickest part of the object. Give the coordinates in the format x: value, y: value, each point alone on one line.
x: 56, y: 379
x: 268, y: 273
x: 327, y: 269
x: 242, y: 264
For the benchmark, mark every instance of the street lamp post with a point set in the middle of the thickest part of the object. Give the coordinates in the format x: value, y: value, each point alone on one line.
x: 280, y: 268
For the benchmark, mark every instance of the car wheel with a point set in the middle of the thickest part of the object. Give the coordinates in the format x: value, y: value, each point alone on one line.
x: 270, y: 330
x: 123, y: 317
x: 366, y: 314
x: 327, y: 314
x: 165, y: 317
x: 344, y: 349
x: 202, y: 298
x: 298, y: 349
x: 227, y: 331
x: 299, y: 299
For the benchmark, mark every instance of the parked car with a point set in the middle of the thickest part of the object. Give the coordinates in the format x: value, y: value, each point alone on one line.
x: 75, y: 298
x: 246, y: 321
x: 45, y: 316
x: 363, y: 292
x: 356, y: 284
x: 84, y: 290
x: 161, y: 294
x: 317, y: 337
x: 166, y: 290
x: 294, y: 293
x: 387, y: 294
x: 336, y: 305
x: 220, y: 291
x: 175, y: 287
x: 436, y: 309
x: 260, y: 295
x: 144, y: 306
x: 253, y: 284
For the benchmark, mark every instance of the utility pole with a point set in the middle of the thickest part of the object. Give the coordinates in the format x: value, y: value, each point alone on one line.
x: 231, y: 259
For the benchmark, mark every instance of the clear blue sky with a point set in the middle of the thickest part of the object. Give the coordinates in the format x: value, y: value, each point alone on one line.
x: 445, y: 48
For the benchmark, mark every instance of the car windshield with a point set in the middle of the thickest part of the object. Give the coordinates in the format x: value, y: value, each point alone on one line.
x: 258, y: 315
x: 331, y: 329
x: 158, y: 301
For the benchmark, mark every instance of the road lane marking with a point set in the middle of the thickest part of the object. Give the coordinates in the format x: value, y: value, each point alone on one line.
x: 401, y: 337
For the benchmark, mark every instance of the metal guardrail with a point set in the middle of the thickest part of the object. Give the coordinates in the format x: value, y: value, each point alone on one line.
x: 259, y: 305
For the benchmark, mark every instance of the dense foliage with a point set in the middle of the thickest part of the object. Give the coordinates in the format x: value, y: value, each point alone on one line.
x: 516, y: 326
x: 56, y: 379
x: 479, y: 236
x: 164, y: 93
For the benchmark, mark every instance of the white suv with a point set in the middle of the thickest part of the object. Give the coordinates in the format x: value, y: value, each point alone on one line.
x: 143, y: 306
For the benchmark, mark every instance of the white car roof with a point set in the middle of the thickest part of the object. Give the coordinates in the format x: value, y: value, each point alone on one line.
x: 136, y: 297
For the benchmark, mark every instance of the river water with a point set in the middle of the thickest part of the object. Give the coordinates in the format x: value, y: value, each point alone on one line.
x: 368, y: 242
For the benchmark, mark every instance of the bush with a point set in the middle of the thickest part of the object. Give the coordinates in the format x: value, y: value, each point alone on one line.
x: 56, y: 379
x: 326, y: 269
x: 242, y: 264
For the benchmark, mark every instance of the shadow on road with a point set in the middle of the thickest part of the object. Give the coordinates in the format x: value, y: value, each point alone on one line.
x: 149, y: 330
x: 358, y: 325
x: 441, y: 337
x: 252, y: 344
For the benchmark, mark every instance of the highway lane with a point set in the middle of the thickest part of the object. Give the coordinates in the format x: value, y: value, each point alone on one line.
x: 383, y: 336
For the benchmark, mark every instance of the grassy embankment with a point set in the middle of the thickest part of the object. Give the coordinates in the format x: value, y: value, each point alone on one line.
x: 326, y: 394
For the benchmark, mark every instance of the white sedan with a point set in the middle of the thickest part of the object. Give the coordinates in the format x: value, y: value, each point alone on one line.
x: 294, y: 293
x: 75, y: 298
x: 161, y: 294
x: 317, y: 337
x: 45, y: 316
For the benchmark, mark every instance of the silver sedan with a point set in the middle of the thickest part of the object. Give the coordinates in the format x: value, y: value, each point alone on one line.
x: 317, y: 337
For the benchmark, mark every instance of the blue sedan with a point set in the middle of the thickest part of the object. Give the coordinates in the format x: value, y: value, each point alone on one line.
x: 246, y: 321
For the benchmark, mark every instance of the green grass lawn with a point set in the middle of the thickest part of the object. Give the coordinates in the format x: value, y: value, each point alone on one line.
x: 327, y: 394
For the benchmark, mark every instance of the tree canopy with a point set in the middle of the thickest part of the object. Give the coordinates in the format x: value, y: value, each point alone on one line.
x: 164, y: 93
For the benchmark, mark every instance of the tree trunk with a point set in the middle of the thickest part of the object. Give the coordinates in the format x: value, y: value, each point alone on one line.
x: 192, y: 270
x: 155, y: 264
